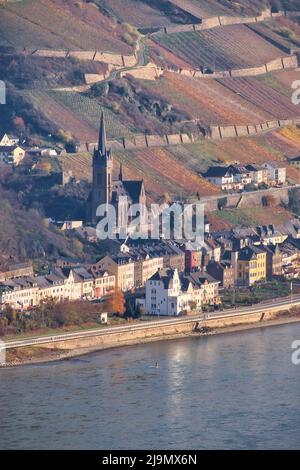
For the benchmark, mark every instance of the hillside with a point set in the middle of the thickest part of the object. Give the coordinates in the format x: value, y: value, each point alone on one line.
x: 237, y: 75
x: 58, y: 24
x: 177, y: 169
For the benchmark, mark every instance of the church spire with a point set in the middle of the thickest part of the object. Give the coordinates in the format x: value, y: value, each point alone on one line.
x: 102, y: 136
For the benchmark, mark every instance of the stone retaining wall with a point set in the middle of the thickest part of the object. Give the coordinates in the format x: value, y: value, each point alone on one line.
x: 217, y: 21
x: 147, y: 334
x: 108, y: 58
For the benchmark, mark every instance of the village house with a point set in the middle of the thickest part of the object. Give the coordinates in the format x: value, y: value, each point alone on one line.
x: 11, y: 154
x: 241, y: 175
x: 193, y: 258
x: 104, y: 284
x: 146, y: 262
x: 63, y: 284
x: 274, y: 261
x: 251, y: 266
x: 222, y: 177
x: 258, y: 174
x: 11, y: 271
x: 236, y: 177
x: 270, y: 235
x: 290, y: 258
x: 208, y: 285
x: 168, y: 295
x: 21, y: 293
x: 121, y: 266
x: 223, y: 271
x: 171, y: 294
x: 276, y: 172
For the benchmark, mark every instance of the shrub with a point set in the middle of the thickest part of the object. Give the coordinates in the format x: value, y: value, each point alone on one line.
x: 99, y: 89
x: 128, y: 39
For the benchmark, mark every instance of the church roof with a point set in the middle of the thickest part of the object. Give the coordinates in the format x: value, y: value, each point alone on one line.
x: 134, y: 189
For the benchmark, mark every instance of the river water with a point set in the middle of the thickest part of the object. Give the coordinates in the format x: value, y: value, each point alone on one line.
x: 237, y: 391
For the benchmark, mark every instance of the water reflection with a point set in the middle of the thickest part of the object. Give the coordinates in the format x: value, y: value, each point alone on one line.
x: 232, y: 391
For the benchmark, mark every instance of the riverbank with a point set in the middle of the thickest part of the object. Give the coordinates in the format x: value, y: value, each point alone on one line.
x: 41, y: 355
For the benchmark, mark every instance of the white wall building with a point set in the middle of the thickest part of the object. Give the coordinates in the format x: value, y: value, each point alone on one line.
x: 166, y: 294
x: 276, y: 172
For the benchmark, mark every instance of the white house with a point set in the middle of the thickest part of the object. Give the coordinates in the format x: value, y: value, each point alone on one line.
x: 167, y: 295
x: 221, y: 176
x: 276, y: 172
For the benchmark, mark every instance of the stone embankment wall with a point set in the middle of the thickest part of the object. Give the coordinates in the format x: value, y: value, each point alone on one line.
x: 163, y: 332
x: 152, y: 72
x: 281, y: 63
x: 116, y: 60
x: 254, y: 198
x: 210, y: 133
x: 222, y: 132
x: 217, y: 21
x: 144, y: 141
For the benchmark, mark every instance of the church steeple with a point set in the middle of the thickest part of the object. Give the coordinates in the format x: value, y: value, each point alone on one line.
x: 102, y: 172
x: 102, y: 136
x: 102, y: 153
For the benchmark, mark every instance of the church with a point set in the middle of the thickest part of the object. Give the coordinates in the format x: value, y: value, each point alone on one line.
x: 105, y: 188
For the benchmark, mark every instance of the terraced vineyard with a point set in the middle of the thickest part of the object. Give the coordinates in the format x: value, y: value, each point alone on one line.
x: 63, y: 117
x: 220, y: 48
x: 283, y: 32
x: 264, y: 97
x: 208, y: 8
x: 206, y: 100
x: 59, y: 25
x: 88, y: 110
x: 201, y: 8
x: 141, y: 15
x: 176, y: 169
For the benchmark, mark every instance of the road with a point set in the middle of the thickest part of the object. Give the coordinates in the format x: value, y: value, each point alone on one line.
x: 259, y: 308
x: 141, y: 60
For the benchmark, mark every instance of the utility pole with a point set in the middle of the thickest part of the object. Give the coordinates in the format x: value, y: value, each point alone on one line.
x: 291, y: 292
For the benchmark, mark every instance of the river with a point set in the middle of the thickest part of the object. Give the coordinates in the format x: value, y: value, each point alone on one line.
x: 233, y: 391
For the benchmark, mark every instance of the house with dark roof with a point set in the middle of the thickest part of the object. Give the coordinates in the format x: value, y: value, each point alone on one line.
x: 221, y: 176
x: 251, y: 266
x: 223, y: 271
x: 169, y: 294
x: 232, y: 177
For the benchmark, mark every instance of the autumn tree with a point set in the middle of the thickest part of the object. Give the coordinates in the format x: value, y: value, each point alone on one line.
x: 19, y: 123
x: 115, y: 303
